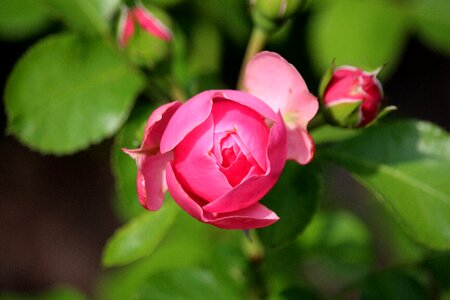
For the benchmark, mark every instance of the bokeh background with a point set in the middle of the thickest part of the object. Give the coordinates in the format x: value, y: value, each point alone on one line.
x: 56, y: 212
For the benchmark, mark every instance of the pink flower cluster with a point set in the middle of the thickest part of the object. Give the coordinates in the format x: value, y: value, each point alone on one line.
x: 221, y: 151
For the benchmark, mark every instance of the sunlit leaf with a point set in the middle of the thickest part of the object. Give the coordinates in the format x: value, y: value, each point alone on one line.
x: 140, y: 237
x: 68, y: 92
x: 406, y: 164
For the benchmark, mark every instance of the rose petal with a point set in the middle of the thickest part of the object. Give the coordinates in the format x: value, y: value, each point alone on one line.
x: 247, y: 124
x: 151, y: 24
x: 271, y: 78
x: 195, y: 164
x: 157, y: 123
x: 152, y: 171
x: 255, y: 216
x: 250, y: 191
x: 180, y: 196
x: 191, y: 114
x: 247, y: 100
x: 301, y: 146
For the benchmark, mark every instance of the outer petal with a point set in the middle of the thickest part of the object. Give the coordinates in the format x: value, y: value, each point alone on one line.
x: 151, y: 164
x: 151, y: 24
x: 251, y: 190
x: 180, y: 196
x: 126, y: 26
x: 255, y: 216
x: 157, y: 123
x: 152, y: 171
x: 301, y: 146
x: 271, y: 78
x: 248, y: 100
x: 191, y: 114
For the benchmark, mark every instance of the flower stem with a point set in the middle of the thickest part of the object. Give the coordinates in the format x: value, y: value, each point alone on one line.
x: 256, y: 43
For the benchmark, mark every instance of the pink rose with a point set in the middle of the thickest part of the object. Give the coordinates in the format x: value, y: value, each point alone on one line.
x: 352, y: 97
x: 220, y: 152
x: 145, y: 19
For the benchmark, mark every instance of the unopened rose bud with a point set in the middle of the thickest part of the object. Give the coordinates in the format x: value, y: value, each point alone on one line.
x: 145, y: 19
x: 269, y: 14
x: 143, y: 35
x: 352, y: 97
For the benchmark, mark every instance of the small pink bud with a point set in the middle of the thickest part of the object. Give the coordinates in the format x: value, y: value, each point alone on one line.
x: 151, y: 24
x: 126, y: 26
x: 145, y: 20
x: 351, y: 96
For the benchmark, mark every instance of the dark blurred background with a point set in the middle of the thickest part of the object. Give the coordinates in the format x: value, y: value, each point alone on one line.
x: 55, y: 212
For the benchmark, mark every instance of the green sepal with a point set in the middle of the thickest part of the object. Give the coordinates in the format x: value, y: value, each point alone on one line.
x: 345, y: 114
x: 326, y: 78
x: 383, y: 113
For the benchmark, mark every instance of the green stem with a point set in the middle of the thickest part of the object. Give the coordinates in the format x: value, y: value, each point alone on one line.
x: 256, y: 43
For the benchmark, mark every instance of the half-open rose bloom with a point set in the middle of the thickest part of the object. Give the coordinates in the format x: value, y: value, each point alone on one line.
x: 220, y: 152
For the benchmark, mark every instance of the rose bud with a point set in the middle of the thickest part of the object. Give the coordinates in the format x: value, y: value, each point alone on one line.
x: 220, y: 152
x: 146, y: 20
x: 352, y: 97
x: 269, y: 14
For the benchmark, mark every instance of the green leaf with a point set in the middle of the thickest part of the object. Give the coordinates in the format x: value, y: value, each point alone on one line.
x: 85, y: 16
x: 20, y: 19
x: 432, y: 20
x: 184, y: 284
x: 68, y: 92
x: 140, y: 237
x: 294, y: 199
x: 186, y: 233
x: 406, y: 164
x: 328, y: 134
x: 393, y: 285
x: 361, y: 33
x: 124, y: 167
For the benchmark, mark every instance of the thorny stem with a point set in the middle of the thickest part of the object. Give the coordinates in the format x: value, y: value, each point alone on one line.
x: 256, y: 43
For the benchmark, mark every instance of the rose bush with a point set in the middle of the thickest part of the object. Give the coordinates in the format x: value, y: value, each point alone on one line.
x: 220, y: 152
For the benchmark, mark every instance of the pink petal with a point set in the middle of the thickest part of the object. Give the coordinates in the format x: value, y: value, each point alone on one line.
x: 247, y: 100
x: 157, y: 123
x: 180, y: 196
x: 151, y: 190
x: 247, y: 124
x: 195, y: 165
x: 251, y: 190
x: 191, y: 114
x: 301, y: 146
x: 126, y: 27
x: 151, y: 24
x: 255, y: 216
x: 271, y: 78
